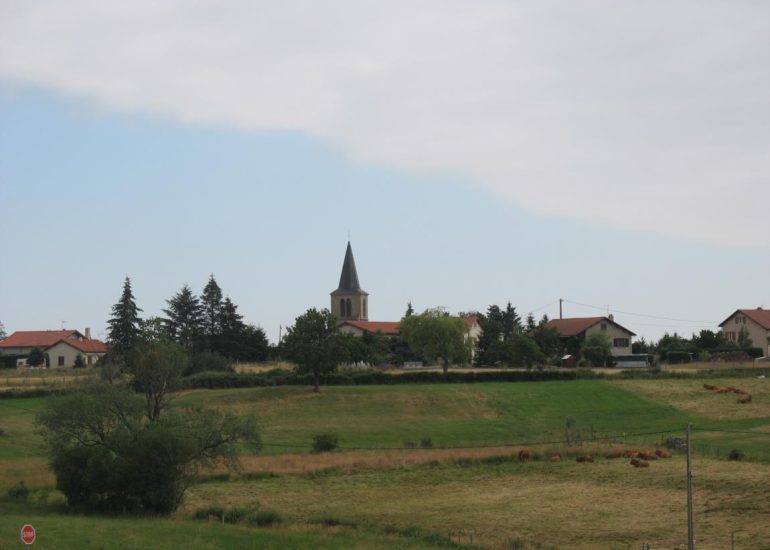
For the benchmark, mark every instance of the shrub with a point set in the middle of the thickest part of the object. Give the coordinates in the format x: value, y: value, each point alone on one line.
x: 264, y: 518
x: 426, y: 443
x: 736, y: 454
x: 80, y: 363
x: 19, y: 491
x: 325, y: 442
x: 208, y: 511
x: 208, y: 361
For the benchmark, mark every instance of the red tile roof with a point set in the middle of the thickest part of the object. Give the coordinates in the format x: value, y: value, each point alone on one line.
x: 385, y: 327
x: 471, y: 320
x: 87, y: 346
x: 759, y: 316
x: 578, y: 325
x: 37, y: 338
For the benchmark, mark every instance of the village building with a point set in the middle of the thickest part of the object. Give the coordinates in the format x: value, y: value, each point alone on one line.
x: 350, y: 304
x: 61, y: 346
x: 756, y: 323
x: 580, y: 327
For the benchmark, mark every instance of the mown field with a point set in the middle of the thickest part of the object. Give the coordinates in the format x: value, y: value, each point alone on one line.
x: 468, y: 489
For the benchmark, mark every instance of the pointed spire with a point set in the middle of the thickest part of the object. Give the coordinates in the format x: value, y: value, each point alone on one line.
x: 349, y: 275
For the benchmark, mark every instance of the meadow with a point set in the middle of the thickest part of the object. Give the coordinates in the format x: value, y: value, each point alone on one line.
x: 435, y: 465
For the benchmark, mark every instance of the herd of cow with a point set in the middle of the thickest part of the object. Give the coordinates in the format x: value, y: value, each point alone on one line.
x: 746, y: 397
x: 639, y: 459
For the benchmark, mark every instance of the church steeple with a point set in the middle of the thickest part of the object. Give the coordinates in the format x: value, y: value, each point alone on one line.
x: 350, y: 301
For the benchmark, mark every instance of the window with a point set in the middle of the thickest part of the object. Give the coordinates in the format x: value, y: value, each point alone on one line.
x: 342, y: 307
x: 620, y: 342
x: 365, y: 314
x: 60, y: 361
x: 349, y: 312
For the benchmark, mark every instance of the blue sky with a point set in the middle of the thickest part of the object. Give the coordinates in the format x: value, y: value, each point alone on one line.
x: 476, y: 153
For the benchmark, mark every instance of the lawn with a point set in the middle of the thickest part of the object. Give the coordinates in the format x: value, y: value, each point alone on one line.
x: 463, y: 489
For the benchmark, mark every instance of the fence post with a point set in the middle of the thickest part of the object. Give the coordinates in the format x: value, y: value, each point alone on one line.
x: 690, y: 535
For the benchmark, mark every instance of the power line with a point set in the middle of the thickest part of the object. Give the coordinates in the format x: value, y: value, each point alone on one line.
x: 604, y: 308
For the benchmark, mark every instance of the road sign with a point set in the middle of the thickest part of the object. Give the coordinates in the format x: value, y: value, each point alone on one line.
x: 28, y: 534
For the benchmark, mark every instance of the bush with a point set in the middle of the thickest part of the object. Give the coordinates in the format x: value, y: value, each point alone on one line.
x: 209, y: 511
x: 736, y: 454
x: 264, y: 518
x: 677, y: 357
x: 19, y: 491
x: 80, y: 363
x: 325, y: 442
x: 426, y: 443
x: 209, y: 362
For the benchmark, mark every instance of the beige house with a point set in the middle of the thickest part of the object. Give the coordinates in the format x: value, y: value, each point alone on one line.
x: 757, y: 325
x: 62, y: 346
x: 581, y: 327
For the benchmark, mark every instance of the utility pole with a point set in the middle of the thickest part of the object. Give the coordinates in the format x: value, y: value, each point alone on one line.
x: 690, y: 535
x: 560, y: 301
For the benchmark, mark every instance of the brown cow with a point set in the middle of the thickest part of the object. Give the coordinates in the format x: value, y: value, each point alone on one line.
x: 555, y: 458
x: 585, y: 458
x: 662, y: 453
x: 636, y: 463
x: 632, y: 453
x: 740, y: 391
x: 724, y: 390
x: 615, y: 454
x: 744, y: 400
x: 709, y: 387
x: 523, y: 455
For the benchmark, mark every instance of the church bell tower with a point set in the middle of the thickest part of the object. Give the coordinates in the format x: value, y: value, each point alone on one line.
x: 350, y: 301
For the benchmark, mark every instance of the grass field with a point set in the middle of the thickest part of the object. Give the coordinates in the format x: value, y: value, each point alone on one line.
x: 377, y: 494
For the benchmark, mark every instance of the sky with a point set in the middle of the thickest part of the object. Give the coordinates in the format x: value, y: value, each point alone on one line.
x: 613, y: 154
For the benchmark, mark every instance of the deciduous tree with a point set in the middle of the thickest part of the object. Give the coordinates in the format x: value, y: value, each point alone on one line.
x: 437, y: 336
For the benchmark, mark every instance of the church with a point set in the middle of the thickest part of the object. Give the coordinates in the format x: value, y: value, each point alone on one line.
x: 350, y: 304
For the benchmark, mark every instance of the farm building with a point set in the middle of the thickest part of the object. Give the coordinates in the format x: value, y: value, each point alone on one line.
x: 62, y: 346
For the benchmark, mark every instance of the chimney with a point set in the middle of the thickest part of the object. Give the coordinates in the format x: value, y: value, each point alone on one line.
x: 611, y: 317
x: 88, y: 333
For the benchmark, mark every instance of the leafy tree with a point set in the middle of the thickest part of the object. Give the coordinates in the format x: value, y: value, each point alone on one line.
x: 547, y: 339
x: 314, y: 344
x: 3, y: 334
x: 597, y: 349
x: 79, y: 362
x: 744, y: 341
x: 707, y: 339
x: 156, y: 370
x: 642, y: 346
x: 183, y: 318
x: 124, y: 325
x: 108, y: 457
x: 437, y: 336
x: 36, y: 357
x: 211, y: 310
x: 153, y: 330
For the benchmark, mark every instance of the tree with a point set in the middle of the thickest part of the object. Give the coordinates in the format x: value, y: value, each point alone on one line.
x: 36, y: 357
x: 124, y: 325
x: 80, y: 363
x: 547, y: 339
x: 744, y: 341
x: 510, y: 322
x: 156, y: 370
x: 109, y: 457
x: 530, y: 323
x: 183, y: 318
x: 597, y: 349
x: 707, y: 339
x: 437, y: 336
x: 409, y: 310
x: 3, y: 334
x: 642, y: 346
x: 211, y: 311
x: 314, y: 344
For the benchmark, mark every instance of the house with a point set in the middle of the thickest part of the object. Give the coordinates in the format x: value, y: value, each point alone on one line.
x: 580, y: 327
x: 757, y: 325
x: 62, y: 346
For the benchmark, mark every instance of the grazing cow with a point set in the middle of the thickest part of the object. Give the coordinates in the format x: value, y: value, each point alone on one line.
x: 585, y: 458
x: 555, y: 458
x: 740, y: 391
x: 662, y: 453
x: 523, y: 455
x: 615, y: 454
x: 709, y: 387
x: 636, y: 463
x: 724, y: 390
x: 648, y: 456
x: 744, y: 400
x: 631, y: 453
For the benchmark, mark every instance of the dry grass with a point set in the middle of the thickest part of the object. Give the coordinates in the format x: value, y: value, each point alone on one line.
x: 604, y: 505
x: 689, y: 396
x: 26, y: 379
x: 262, y: 367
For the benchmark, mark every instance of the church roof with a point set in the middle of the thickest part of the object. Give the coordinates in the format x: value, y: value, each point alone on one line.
x: 349, y: 277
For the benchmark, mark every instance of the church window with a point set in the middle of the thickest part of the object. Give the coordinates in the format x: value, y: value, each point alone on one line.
x: 350, y: 308
x: 342, y: 307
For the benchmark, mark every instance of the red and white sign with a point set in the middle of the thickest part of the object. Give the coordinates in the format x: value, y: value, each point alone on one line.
x: 28, y: 534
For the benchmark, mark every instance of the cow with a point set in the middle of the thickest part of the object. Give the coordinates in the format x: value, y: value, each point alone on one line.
x: 615, y: 454
x: 523, y: 455
x: 662, y: 453
x: 709, y: 387
x: 724, y: 390
x: 637, y: 463
x: 744, y: 400
x: 740, y: 391
x: 555, y: 458
x: 585, y: 458
x: 646, y: 455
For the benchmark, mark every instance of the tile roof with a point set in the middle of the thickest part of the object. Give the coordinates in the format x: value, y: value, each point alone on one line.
x: 385, y: 327
x: 471, y: 320
x: 349, y: 276
x: 577, y: 325
x: 759, y: 316
x: 86, y: 346
x: 37, y: 338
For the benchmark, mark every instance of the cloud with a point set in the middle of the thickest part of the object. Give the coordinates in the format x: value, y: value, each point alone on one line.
x: 649, y: 116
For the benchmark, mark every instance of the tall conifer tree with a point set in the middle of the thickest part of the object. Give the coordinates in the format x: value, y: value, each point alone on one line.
x: 183, y: 318
x: 211, y: 309
x: 125, y: 322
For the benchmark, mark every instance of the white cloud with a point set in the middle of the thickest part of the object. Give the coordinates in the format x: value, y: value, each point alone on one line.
x: 648, y: 116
